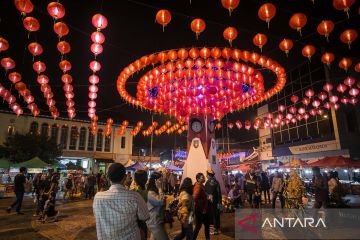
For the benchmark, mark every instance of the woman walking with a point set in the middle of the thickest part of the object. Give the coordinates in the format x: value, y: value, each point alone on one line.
x: 186, y: 210
x: 156, y: 205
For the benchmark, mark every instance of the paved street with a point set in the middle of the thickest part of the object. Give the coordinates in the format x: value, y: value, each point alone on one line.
x: 76, y: 222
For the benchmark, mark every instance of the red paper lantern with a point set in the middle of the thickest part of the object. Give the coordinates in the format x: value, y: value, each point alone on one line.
x: 4, y: 44
x: 7, y: 63
x: 31, y: 24
x: 95, y: 66
x: 66, y: 78
x: 92, y: 95
x: 345, y: 63
x: 39, y: 67
x: 15, y: 77
x: 286, y: 45
x: 357, y: 67
x: 65, y: 66
x: 333, y: 99
x: 96, y: 49
x: 63, y: 47
x: 348, y: 36
x: 98, y: 37
x: 29, y: 99
x: 230, y: 34
x: 353, y: 92
x: 69, y: 95
x: 349, y: 81
x: 266, y: 12
x: 20, y: 86
x: 322, y: 96
x: 343, y: 5
x: 260, y: 40
x: 325, y: 28
x: 198, y: 26
x: 327, y: 58
x: 328, y: 87
x: 281, y: 108
x: 308, y: 51
x: 294, y: 98
x: 56, y: 10
x: 92, y: 104
x: 24, y: 6
x: 298, y: 21
x: 35, y: 48
x: 230, y: 5
x: 61, y: 29
x: 99, y: 21
x: 94, y: 79
x: 163, y: 17
x: 315, y: 103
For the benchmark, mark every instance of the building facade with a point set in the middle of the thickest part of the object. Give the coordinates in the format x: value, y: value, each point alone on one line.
x: 94, y: 151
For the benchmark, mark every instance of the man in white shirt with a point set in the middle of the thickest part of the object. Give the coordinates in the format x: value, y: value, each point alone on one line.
x: 117, y: 210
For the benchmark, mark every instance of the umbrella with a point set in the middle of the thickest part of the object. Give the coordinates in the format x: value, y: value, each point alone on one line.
x: 173, y: 168
x: 136, y: 166
x: 35, y: 162
x: 5, y: 163
x: 338, y: 161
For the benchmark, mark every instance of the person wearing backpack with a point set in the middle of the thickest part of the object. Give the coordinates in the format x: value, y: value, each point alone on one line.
x: 69, y: 186
x: 186, y: 210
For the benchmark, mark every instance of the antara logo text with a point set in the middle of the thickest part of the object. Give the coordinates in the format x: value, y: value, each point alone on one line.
x: 294, y: 222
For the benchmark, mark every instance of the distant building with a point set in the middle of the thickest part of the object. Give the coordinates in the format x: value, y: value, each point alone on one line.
x: 80, y: 146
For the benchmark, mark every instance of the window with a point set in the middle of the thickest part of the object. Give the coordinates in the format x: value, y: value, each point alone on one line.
x: 11, y: 130
x: 123, y: 139
x: 82, y: 140
x: 90, y: 141
x: 54, y: 131
x: 44, y: 129
x: 34, y: 128
x: 107, y: 143
x: 64, y: 136
x: 99, y: 138
x: 73, y: 138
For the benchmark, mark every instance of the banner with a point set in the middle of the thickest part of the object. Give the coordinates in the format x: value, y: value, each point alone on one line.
x: 314, y: 147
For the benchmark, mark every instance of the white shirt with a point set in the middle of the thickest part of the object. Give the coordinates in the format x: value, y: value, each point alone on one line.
x: 117, y: 211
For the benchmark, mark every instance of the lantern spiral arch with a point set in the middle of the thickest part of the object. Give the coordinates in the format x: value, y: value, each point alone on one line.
x: 206, y: 81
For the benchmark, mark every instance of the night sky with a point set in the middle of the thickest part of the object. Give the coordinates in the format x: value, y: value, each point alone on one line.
x: 132, y: 33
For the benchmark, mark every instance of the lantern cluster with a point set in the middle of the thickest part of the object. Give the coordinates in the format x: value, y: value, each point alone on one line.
x: 122, y: 128
x: 200, y: 81
x: 11, y: 100
x: 137, y: 128
x: 150, y: 129
x: 57, y: 11
x: 163, y: 128
x: 93, y: 125
x: 99, y: 22
x: 107, y: 131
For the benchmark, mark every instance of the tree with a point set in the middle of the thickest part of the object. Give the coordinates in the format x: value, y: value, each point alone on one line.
x: 20, y: 148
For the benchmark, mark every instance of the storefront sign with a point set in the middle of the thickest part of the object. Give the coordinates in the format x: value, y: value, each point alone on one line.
x: 314, y: 147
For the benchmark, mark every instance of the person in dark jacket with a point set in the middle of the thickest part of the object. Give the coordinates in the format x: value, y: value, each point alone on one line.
x: 201, y: 206
x: 212, y: 188
x: 251, y: 187
x: 265, y: 187
x: 19, y: 183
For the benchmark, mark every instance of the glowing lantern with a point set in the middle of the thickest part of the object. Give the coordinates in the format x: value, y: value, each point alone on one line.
x: 328, y: 87
x: 327, y: 58
x: 327, y: 105
x: 15, y: 77
x: 35, y: 49
x: 301, y: 110
x: 298, y: 21
x: 29, y: 99
x: 325, y: 28
x: 286, y: 45
x: 65, y: 66
x: 7, y: 63
x: 353, y: 92
x: 198, y: 26
x: 315, y: 103
x: 357, y: 67
x: 349, y: 81
x: 99, y: 21
x: 333, y: 99
x: 322, y: 96
x: 63, y: 47
x: 230, y: 125
x: 348, y: 36
x: 163, y: 17
x: 61, y: 29
x: 292, y: 109
x: 294, y: 98
x: 39, y: 67
x: 344, y: 100
x: 281, y: 108
x: 260, y: 40
x: 343, y: 5
x: 238, y: 124
x: 31, y: 24
x: 98, y: 37
x: 96, y: 49
x: 93, y: 89
x: 66, y: 78
x: 94, y: 79
x: 95, y: 66
x: 92, y: 95
x: 345, y: 63
x: 309, y: 93
x: 56, y: 10
x: 266, y: 12
x: 230, y: 34
x: 247, y: 125
x: 308, y: 51
x: 24, y: 6
x: 312, y: 112
x: 4, y: 44
x: 353, y: 101
x: 230, y: 5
